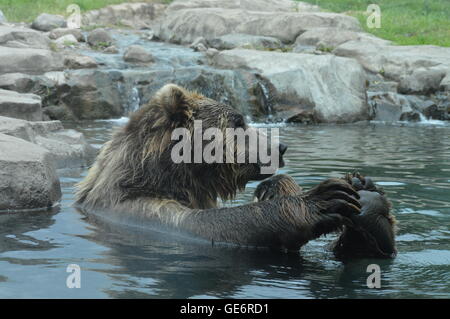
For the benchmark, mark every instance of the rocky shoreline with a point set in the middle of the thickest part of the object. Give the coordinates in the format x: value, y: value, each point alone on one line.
x: 272, y: 59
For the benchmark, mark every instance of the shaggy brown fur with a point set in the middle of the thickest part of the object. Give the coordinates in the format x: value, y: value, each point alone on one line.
x: 370, y: 234
x: 135, y: 177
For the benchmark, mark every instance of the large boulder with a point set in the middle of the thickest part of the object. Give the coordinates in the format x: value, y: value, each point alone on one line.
x: 418, y: 69
x: 332, y: 87
x: 247, y: 41
x: 100, y: 38
x: 19, y: 37
x: 331, y: 37
x: 28, y: 178
x: 137, y: 15
x: 93, y: 94
x: 76, y: 61
x: 68, y: 148
x: 34, y: 61
x: 48, y: 22
x: 20, y: 105
x: 184, y: 26
x: 251, y: 5
x: 137, y: 54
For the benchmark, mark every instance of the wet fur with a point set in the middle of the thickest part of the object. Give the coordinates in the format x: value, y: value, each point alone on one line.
x: 134, y: 177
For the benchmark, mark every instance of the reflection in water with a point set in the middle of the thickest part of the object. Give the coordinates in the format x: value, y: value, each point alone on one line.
x: 410, y: 162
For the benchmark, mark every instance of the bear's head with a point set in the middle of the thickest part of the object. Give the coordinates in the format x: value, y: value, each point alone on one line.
x: 177, y: 147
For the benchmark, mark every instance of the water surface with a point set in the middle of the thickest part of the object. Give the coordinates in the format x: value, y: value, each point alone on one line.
x: 411, y: 162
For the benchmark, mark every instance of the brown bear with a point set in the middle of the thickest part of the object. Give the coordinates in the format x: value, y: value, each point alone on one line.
x: 369, y: 234
x: 135, y: 179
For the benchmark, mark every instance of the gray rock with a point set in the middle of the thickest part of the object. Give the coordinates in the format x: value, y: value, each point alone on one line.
x: 200, y: 44
x: 331, y: 37
x: 68, y: 148
x: 20, y: 105
x: 19, y: 37
x: 93, y: 94
x: 422, y: 80
x: 137, y: 54
x: 60, y: 32
x: 35, y: 61
x: 28, y: 178
x: 48, y: 22
x: 99, y: 38
x: 247, y: 41
x: 18, y: 82
x: 79, y: 62
x: 390, y: 107
x: 331, y: 86
x: 251, y: 5
x: 67, y: 40
x: 184, y: 26
x: 136, y: 15
x: 418, y: 69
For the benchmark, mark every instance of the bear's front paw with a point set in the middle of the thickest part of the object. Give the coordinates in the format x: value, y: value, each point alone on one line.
x: 360, y: 182
x: 276, y: 186
x: 335, y: 196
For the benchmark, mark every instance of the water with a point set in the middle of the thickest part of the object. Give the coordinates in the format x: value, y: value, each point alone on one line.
x: 411, y: 162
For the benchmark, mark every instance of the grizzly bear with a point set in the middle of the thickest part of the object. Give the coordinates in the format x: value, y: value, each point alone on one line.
x: 135, y: 179
x: 369, y: 234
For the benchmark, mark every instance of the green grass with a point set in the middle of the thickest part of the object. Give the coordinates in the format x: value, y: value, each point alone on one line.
x: 28, y: 10
x: 405, y: 22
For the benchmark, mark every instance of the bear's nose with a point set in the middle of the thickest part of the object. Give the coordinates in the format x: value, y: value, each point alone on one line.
x: 283, y: 148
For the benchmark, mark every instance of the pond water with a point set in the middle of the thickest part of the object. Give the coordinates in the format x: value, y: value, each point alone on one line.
x: 411, y: 162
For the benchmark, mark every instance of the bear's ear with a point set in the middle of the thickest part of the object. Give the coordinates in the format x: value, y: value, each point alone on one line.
x: 176, y: 103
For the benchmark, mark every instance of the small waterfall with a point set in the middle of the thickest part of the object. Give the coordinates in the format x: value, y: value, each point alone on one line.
x: 134, y: 100
x: 424, y: 120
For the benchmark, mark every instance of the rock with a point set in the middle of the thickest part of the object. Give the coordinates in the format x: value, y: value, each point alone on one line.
x: 28, y: 178
x: 390, y: 107
x: 137, y: 54
x: 2, y: 17
x: 60, y: 32
x: 303, y: 117
x: 18, y: 82
x: 35, y: 61
x: 67, y: 40
x: 424, y: 80
x: 20, y: 105
x: 111, y: 50
x: 18, y: 37
x: 92, y: 94
x: 410, y: 117
x: 418, y: 69
x: 251, y: 5
x: 246, y: 41
x: 79, y: 62
x: 100, y: 38
x: 331, y: 37
x: 333, y: 87
x: 136, y: 15
x: 59, y: 112
x: 200, y: 44
x: 445, y: 83
x: 48, y: 22
x: 184, y: 26
x: 68, y: 148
